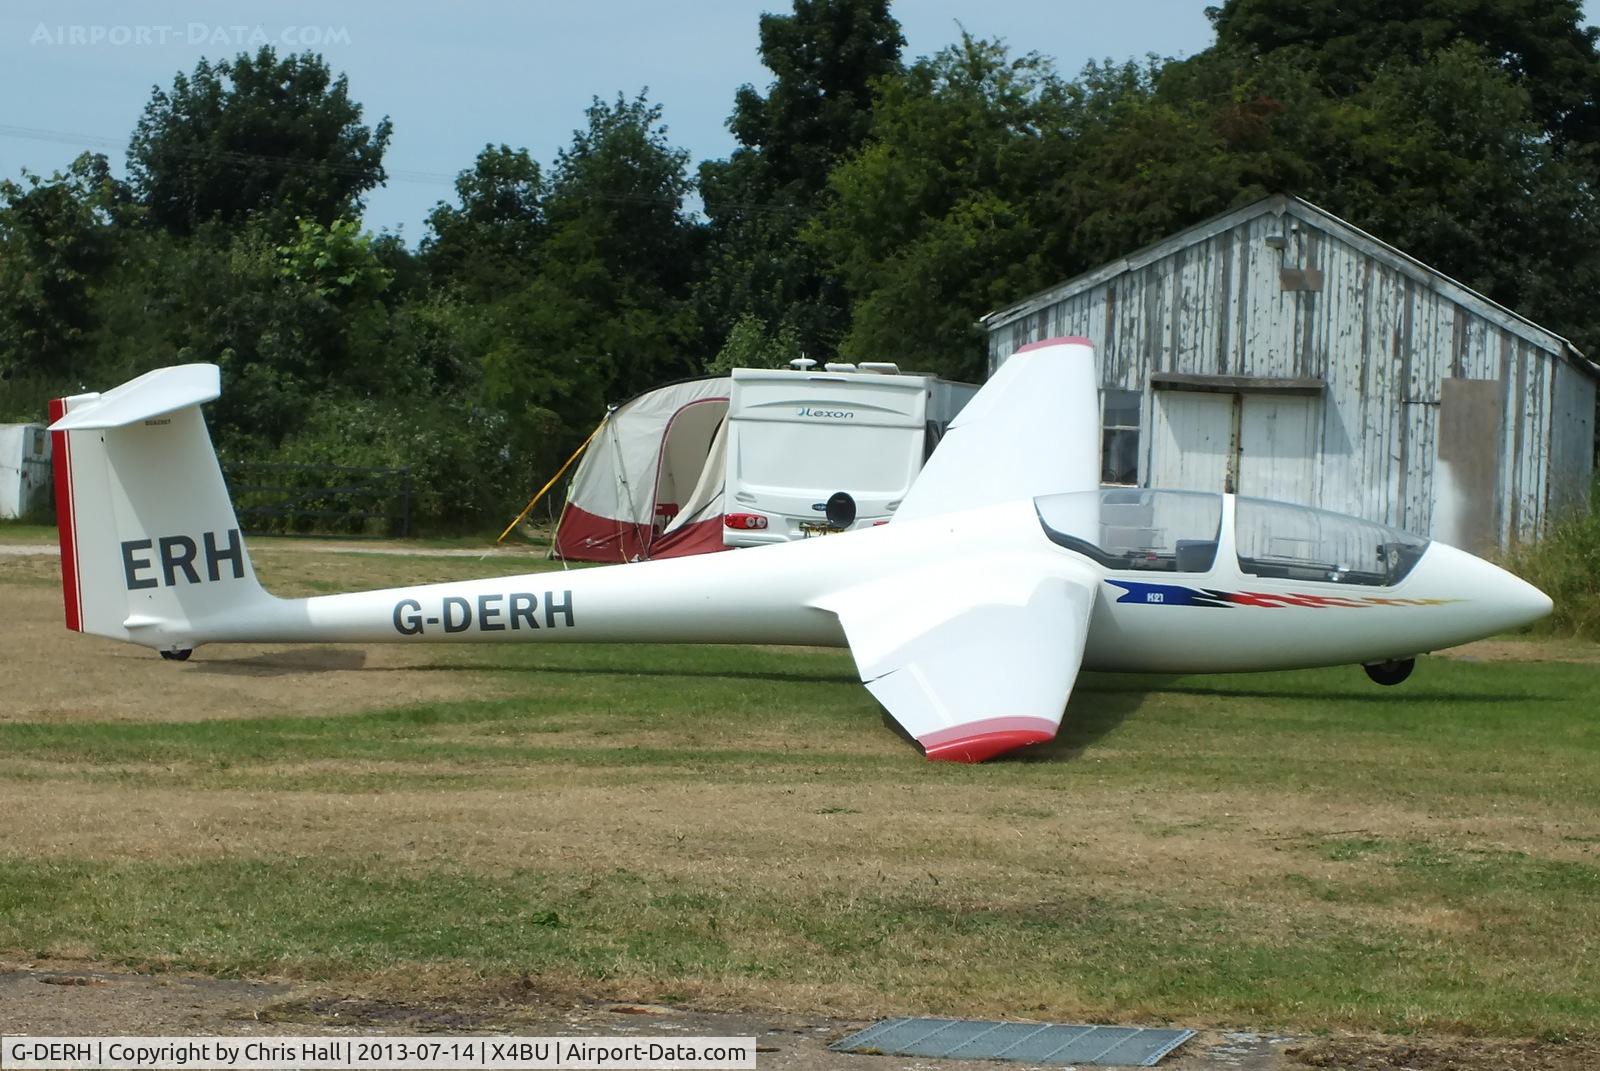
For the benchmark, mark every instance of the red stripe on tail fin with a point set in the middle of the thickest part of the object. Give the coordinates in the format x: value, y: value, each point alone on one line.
x: 61, y: 464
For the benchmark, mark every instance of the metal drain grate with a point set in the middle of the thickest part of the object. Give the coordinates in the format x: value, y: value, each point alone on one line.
x: 1033, y: 1043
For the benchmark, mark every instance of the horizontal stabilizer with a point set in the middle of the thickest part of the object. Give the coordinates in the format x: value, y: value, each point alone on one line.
x: 152, y: 395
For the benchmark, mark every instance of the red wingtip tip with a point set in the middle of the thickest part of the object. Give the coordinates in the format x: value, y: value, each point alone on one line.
x: 1076, y: 340
x: 985, y: 746
x: 980, y: 741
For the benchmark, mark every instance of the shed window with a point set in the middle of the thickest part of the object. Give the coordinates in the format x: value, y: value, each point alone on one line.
x: 1119, y: 436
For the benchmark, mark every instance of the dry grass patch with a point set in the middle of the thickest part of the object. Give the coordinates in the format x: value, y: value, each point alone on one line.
x: 1527, y: 649
x: 52, y: 675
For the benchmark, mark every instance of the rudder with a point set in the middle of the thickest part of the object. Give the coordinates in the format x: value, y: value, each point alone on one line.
x: 150, y: 543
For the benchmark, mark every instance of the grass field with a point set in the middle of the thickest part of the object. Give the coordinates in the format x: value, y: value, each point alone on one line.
x: 739, y: 828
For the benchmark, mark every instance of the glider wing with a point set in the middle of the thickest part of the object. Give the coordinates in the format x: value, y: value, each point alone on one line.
x: 976, y: 661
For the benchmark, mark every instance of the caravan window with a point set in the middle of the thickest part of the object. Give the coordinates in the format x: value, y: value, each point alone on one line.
x: 1128, y: 528
x: 1277, y: 539
x: 867, y: 459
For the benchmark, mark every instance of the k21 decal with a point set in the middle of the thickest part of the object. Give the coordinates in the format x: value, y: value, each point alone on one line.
x: 1178, y: 595
x: 496, y: 612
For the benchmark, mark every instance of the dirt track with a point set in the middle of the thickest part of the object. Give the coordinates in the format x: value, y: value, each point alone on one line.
x: 61, y: 998
x: 69, y: 999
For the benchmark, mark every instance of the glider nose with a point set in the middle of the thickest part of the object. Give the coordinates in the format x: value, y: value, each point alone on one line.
x: 1535, y: 603
x: 1504, y: 600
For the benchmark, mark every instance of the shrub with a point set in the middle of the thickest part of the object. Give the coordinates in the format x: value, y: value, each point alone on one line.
x: 1565, y: 564
x: 462, y: 475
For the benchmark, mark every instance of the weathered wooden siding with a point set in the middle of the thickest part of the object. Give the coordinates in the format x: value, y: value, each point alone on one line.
x: 1381, y: 331
x: 1571, y: 442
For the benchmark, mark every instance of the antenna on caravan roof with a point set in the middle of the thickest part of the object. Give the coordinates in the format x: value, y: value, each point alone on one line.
x: 801, y: 364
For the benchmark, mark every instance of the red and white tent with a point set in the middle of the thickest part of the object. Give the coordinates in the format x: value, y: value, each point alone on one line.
x: 650, y: 483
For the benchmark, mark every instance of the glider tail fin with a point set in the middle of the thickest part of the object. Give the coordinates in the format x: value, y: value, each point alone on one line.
x: 150, y: 544
x: 1033, y: 429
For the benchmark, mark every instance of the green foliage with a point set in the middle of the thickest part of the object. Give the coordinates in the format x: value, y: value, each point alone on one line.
x: 57, y: 238
x: 255, y: 134
x: 751, y: 345
x: 825, y: 58
x: 1429, y: 126
x: 930, y: 224
x: 620, y: 185
x: 460, y: 470
x: 1565, y: 564
x: 1544, y: 46
x: 490, y: 241
x: 286, y: 321
x: 607, y: 313
x: 985, y: 177
x: 336, y: 263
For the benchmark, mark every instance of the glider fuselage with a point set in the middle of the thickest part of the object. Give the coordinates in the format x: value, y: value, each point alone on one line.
x: 1143, y: 620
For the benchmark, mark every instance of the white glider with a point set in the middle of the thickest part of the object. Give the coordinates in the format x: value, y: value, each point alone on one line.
x: 1006, y: 570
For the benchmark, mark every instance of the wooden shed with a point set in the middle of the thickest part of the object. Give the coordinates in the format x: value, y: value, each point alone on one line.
x: 1279, y: 351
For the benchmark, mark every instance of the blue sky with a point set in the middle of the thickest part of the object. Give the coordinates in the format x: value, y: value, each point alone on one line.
x: 454, y: 75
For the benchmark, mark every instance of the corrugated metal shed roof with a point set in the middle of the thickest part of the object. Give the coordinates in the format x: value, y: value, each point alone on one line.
x: 1279, y: 205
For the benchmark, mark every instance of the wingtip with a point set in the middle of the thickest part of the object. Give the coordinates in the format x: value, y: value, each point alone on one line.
x: 1059, y: 340
x: 983, y: 740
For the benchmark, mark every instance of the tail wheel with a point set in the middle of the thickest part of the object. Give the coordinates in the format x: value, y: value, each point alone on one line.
x: 178, y: 656
x: 1391, y: 672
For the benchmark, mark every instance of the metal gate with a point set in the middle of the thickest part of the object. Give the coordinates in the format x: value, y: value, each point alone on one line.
x: 320, y: 499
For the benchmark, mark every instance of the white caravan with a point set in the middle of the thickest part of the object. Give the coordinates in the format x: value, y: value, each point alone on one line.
x: 855, y: 437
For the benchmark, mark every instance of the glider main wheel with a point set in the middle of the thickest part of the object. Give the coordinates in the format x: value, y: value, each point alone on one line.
x: 1391, y: 672
x: 178, y: 656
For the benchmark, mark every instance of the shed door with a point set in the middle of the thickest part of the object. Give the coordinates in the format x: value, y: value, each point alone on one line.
x: 1466, y: 483
x: 1277, y: 448
x: 1193, y: 444
x: 1264, y: 445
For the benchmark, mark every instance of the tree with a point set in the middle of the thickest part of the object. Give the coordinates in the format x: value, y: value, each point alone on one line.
x: 618, y: 190
x: 932, y: 224
x: 488, y: 242
x: 255, y: 134
x: 57, y: 239
x: 825, y: 58
x: 751, y: 345
x: 1542, y: 46
x: 606, y: 315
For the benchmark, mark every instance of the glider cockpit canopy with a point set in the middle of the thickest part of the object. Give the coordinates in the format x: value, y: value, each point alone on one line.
x: 1130, y: 529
